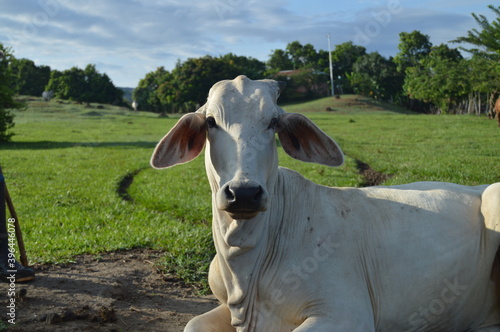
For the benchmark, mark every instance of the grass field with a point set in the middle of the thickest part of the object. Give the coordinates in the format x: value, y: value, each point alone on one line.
x: 66, y: 163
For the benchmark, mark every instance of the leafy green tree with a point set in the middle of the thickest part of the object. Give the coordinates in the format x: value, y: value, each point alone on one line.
x: 149, y: 95
x: 302, y: 55
x: 279, y: 60
x: 441, y: 78
x: 166, y: 95
x: 484, y: 75
x: 249, y: 66
x: 29, y: 79
x: 305, y: 57
x: 68, y: 84
x: 344, y: 56
x: 323, y: 62
x: 377, y: 77
x: 186, y: 87
x: 444, y: 52
x: 54, y: 81
x: 7, y: 101
x: 195, y: 77
x: 486, y: 43
x: 87, y: 85
x: 484, y: 66
x: 99, y: 88
x: 484, y: 81
x: 413, y: 47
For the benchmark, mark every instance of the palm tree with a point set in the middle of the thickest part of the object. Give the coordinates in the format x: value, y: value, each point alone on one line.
x: 486, y: 43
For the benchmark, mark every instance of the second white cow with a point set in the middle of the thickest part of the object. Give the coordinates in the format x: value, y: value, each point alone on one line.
x: 296, y: 256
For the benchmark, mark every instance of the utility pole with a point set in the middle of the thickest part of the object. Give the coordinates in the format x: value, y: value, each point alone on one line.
x: 331, y: 66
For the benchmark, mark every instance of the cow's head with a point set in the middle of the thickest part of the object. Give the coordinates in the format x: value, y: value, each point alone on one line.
x: 238, y: 124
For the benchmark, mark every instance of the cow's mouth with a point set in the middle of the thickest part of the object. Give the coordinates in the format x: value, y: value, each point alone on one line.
x: 242, y: 215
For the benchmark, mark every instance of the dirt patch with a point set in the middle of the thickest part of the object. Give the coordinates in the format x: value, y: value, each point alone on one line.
x: 347, y: 104
x: 118, y: 291
x: 92, y: 114
x: 370, y: 176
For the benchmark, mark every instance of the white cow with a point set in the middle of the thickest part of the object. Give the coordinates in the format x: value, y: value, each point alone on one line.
x: 296, y: 256
x: 47, y: 95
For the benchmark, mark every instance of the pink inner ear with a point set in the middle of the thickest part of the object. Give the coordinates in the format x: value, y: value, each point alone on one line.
x: 302, y: 140
x: 183, y: 143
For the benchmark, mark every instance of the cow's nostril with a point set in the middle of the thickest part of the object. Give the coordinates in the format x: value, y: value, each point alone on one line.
x: 248, y: 194
x: 230, y: 195
x: 258, y: 194
x: 243, y: 200
x: 242, y: 193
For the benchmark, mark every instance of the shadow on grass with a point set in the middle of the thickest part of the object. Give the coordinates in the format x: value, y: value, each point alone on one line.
x: 46, y: 145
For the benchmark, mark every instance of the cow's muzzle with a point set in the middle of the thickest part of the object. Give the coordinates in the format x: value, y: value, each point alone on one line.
x: 242, y: 200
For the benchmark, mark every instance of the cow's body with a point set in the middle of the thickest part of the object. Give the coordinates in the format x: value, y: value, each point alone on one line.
x: 296, y: 256
x: 375, y: 259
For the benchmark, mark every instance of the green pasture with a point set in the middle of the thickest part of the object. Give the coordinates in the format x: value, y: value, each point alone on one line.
x: 67, y: 166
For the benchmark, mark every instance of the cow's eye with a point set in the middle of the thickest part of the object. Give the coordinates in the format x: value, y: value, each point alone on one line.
x: 211, y: 122
x: 274, y: 124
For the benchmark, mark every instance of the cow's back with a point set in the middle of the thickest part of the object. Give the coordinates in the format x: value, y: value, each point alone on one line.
x: 442, y: 254
x: 416, y: 252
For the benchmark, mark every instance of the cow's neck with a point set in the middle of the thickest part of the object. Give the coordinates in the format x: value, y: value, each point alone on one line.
x: 242, y: 247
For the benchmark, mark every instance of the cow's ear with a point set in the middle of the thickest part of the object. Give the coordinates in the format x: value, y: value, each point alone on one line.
x: 303, y: 140
x: 183, y: 143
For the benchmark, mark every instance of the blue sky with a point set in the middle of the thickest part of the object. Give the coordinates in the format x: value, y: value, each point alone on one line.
x: 128, y: 38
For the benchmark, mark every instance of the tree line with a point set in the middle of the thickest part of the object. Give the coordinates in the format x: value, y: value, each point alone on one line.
x: 84, y: 85
x: 23, y: 77
x: 423, y: 77
x: 7, y: 100
x: 186, y: 86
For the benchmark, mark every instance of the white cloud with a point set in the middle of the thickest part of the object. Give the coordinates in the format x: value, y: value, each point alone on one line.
x: 128, y: 38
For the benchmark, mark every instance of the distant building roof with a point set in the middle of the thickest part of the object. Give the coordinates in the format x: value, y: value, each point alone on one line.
x: 298, y: 71
x: 288, y: 72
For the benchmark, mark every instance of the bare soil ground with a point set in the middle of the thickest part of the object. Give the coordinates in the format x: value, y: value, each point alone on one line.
x: 117, y: 291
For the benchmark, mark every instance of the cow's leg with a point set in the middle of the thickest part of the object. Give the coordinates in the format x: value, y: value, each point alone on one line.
x: 216, y: 320
x: 320, y: 324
